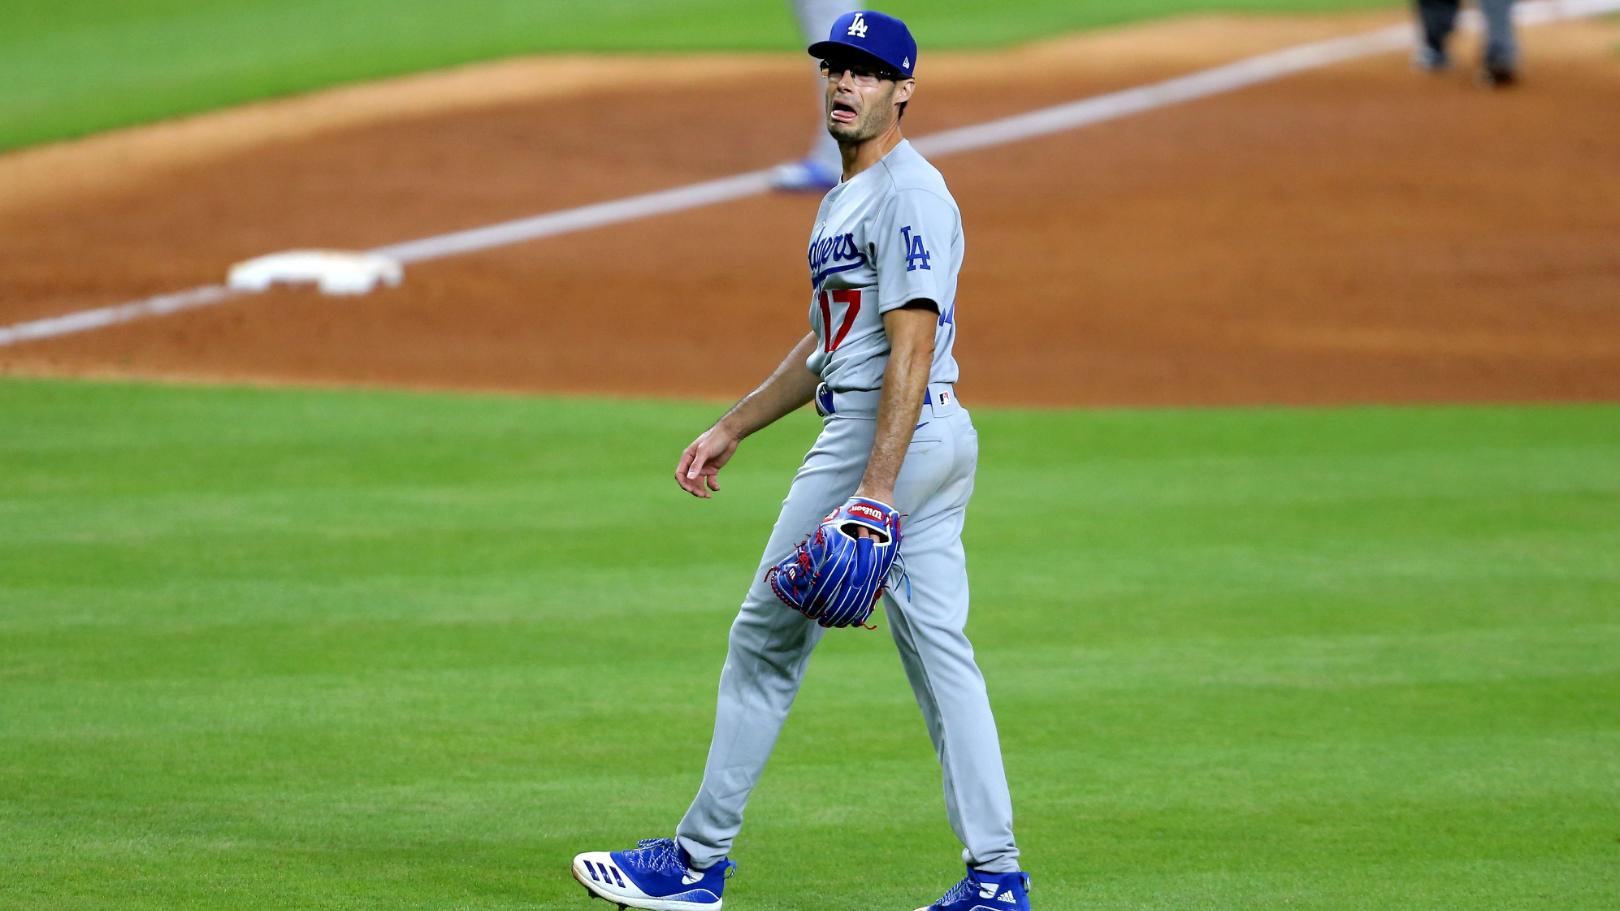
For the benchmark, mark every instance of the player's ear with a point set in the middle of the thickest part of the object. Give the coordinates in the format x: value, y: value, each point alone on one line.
x: 902, y: 91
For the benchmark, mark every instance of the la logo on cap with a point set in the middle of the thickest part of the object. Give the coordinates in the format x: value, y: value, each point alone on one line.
x: 858, y: 27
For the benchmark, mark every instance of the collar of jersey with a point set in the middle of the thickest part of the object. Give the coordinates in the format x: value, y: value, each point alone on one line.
x: 880, y: 163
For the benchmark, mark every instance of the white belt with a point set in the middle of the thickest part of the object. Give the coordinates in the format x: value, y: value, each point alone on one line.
x: 863, y: 403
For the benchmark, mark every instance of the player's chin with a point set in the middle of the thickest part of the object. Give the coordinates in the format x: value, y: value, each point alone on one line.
x: 844, y: 131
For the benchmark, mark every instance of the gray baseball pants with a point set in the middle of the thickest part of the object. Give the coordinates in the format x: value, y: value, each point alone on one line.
x: 771, y: 643
x: 816, y: 18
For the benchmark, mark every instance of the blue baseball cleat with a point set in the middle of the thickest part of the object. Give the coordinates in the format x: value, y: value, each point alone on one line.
x: 986, y: 892
x: 807, y: 175
x: 656, y: 876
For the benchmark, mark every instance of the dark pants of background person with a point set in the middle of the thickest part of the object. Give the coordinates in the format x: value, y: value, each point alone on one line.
x: 1439, y: 18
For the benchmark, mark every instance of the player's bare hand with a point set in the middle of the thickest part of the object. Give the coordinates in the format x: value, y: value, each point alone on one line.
x: 699, y: 470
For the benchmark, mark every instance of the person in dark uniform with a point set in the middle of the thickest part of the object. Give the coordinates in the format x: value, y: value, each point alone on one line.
x: 1438, y: 19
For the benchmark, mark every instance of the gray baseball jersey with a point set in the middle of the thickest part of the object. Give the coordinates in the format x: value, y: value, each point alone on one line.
x: 889, y: 235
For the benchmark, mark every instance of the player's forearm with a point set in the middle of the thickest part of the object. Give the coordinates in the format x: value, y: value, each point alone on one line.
x: 789, y: 387
x: 905, y: 386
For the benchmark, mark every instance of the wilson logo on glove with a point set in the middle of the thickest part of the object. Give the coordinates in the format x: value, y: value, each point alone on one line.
x: 834, y: 577
x: 868, y: 511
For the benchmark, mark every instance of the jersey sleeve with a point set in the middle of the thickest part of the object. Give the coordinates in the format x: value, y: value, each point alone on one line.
x: 913, y: 248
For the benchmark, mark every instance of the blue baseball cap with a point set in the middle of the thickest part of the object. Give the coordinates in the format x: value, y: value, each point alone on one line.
x: 873, y: 34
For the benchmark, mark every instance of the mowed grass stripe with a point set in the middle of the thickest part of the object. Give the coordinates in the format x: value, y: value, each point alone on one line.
x: 68, y: 69
x: 268, y: 649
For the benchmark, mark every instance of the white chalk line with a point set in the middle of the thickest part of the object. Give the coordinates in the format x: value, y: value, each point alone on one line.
x: 107, y: 316
x: 1073, y: 115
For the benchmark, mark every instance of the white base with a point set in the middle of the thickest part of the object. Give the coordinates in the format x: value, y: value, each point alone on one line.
x: 333, y: 271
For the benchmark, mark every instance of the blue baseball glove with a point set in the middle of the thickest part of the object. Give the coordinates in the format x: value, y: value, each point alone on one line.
x: 835, y: 578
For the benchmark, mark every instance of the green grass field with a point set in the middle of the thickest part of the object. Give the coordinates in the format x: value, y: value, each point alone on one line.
x: 71, y: 67
x: 355, y: 650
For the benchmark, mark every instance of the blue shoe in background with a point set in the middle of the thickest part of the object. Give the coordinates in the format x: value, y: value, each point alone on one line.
x: 1430, y: 59
x: 807, y: 175
x: 986, y: 892
x: 656, y: 876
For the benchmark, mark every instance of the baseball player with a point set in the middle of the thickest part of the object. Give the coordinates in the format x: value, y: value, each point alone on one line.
x: 883, y: 261
x: 821, y: 169
x: 1437, y: 19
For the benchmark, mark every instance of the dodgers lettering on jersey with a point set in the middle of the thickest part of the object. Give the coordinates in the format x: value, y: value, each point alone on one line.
x: 889, y: 235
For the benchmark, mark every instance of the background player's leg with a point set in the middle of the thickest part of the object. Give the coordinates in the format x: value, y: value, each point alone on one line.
x: 769, y: 649
x: 927, y: 620
x: 823, y: 166
x: 1501, y: 49
x: 1438, y: 18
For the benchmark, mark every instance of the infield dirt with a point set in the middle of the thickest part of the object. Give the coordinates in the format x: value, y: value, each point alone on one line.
x: 1360, y: 233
